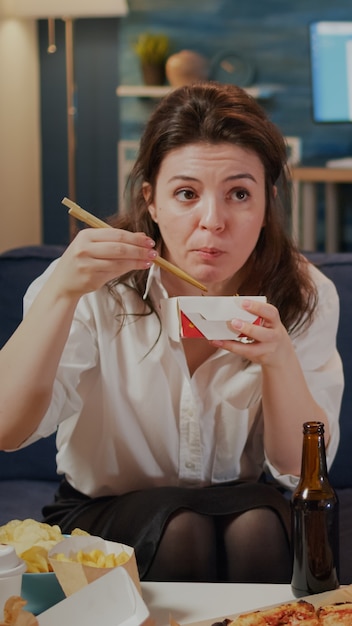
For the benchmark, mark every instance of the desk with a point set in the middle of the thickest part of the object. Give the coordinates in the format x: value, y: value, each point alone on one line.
x: 190, y: 602
x: 308, y: 177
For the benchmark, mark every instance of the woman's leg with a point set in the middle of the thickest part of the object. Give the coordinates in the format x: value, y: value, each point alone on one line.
x: 187, y: 550
x: 253, y: 547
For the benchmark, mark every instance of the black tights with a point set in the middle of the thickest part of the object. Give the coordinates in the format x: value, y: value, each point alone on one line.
x: 249, y: 547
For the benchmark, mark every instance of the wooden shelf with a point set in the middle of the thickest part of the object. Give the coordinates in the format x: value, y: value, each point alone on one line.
x: 260, y: 92
x: 143, y: 91
x: 321, y: 174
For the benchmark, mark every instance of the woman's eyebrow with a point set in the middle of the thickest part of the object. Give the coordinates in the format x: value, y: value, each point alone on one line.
x: 182, y: 177
x: 242, y: 175
x: 228, y: 178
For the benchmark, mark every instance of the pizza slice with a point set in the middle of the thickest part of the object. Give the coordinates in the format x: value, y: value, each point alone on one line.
x: 297, y: 613
x: 336, y: 614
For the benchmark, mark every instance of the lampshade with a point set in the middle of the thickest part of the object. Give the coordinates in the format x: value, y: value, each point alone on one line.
x: 43, y: 9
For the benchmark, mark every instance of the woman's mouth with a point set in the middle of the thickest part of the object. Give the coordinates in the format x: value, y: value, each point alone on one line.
x: 209, y: 253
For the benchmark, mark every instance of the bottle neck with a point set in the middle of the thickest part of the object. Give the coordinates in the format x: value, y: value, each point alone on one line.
x: 314, y: 457
x: 314, y: 468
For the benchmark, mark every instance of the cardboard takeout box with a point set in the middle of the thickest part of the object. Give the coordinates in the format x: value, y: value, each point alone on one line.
x: 111, y: 600
x: 206, y: 316
x: 72, y: 575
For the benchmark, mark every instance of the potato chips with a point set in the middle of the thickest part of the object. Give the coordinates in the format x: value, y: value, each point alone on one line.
x: 94, y: 558
x: 32, y: 541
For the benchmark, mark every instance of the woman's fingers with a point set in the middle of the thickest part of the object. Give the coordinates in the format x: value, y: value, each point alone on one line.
x: 268, y: 334
x: 115, y: 244
x: 96, y: 256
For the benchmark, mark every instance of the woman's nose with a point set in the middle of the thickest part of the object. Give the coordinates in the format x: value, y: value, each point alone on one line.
x: 212, y: 217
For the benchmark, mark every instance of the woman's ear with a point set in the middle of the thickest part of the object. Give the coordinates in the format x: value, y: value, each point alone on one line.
x: 152, y: 212
x: 147, y: 193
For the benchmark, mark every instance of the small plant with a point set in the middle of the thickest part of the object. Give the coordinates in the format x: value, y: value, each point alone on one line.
x: 152, y: 48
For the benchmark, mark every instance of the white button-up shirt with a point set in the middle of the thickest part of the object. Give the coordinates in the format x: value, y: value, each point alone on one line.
x: 130, y: 416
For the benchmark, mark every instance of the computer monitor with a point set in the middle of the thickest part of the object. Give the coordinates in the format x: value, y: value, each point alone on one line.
x: 331, y: 71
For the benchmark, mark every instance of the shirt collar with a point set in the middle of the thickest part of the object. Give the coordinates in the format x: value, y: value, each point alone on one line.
x: 154, y: 277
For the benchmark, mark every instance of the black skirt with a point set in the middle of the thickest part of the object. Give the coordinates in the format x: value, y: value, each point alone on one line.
x: 138, y: 518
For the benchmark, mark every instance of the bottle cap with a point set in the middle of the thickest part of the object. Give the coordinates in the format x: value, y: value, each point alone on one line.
x: 10, y: 563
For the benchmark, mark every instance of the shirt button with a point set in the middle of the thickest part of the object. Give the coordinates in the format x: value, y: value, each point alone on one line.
x: 190, y: 465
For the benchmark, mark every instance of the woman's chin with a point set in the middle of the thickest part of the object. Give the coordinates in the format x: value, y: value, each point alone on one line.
x: 218, y: 286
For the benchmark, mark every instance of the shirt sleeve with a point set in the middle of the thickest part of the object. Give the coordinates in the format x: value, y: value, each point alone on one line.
x: 79, y: 358
x: 321, y: 364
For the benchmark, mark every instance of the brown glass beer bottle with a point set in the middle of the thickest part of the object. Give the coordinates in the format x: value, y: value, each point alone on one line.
x: 315, y: 520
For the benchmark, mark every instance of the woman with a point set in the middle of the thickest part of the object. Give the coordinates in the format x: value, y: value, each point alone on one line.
x: 164, y: 445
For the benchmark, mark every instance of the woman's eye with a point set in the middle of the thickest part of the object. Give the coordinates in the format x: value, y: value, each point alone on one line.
x: 185, y: 194
x: 239, y: 194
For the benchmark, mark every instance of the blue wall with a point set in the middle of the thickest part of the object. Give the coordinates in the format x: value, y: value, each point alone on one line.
x: 96, y: 122
x: 271, y: 34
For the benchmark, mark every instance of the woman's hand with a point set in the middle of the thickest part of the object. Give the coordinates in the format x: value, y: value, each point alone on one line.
x: 286, y: 399
x: 96, y: 256
x: 271, y: 342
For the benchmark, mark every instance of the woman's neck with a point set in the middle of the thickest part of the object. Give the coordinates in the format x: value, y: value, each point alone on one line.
x: 177, y: 287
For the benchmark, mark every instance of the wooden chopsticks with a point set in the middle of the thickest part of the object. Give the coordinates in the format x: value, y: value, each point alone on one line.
x: 76, y: 211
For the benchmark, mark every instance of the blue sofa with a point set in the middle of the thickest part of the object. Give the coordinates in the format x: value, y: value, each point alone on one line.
x: 28, y: 477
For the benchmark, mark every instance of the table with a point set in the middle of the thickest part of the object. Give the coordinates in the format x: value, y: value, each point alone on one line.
x: 308, y: 177
x: 190, y: 602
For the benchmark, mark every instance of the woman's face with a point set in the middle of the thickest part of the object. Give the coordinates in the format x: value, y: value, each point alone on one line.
x: 209, y: 204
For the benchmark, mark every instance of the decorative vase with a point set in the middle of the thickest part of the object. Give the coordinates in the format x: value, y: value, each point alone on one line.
x: 186, y: 67
x: 153, y: 74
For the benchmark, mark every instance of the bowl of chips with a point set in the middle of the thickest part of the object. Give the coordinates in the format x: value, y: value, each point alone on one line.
x: 32, y: 541
x: 41, y: 591
x: 58, y: 565
x: 80, y: 560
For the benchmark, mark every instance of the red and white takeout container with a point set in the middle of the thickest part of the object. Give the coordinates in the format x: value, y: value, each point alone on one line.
x: 206, y: 317
x: 73, y: 575
x: 111, y: 600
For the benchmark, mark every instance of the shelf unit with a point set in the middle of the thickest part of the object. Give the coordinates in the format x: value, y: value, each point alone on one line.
x: 260, y: 92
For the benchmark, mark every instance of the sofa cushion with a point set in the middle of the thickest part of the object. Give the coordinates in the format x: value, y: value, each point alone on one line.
x: 22, y: 499
x: 18, y: 268
x: 35, y: 462
x: 338, y: 267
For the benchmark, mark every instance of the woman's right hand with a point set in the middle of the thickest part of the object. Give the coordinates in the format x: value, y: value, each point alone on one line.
x: 96, y: 256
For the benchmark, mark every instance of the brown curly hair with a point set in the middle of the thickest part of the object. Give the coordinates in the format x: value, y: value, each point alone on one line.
x: 215, y: 113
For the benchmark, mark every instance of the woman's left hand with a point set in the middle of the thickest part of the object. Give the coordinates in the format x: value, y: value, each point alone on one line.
x: 286, y: 398
x: 270, y: 339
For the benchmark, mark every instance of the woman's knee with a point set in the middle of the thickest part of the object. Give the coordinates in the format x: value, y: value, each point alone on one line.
x: 255, y: 547
x: 256, y: 525
x: 190, y: 526
x: 187, y: 549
